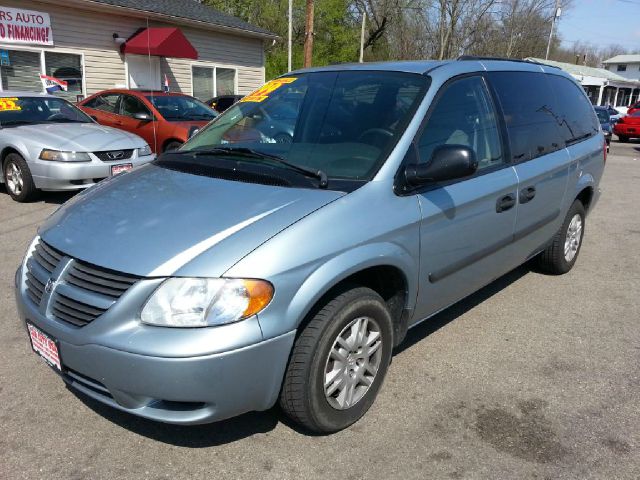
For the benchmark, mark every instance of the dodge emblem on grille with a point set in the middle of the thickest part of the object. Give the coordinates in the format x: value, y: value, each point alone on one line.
x: 49, y: 286
x: 115, y: 155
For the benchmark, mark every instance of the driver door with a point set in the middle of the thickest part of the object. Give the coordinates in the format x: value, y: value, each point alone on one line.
x: 147, y: 129
x: 467, y: 224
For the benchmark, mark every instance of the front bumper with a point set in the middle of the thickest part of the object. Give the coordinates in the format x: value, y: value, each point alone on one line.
x: 171, y: 388
x: 57, y: 176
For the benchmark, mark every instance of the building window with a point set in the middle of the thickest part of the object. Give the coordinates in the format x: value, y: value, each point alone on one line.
x: 67, y: 67
x: 22, y: 72
x: 203, y: 83
x: 209, y: 82
x: 225, y: 81
x: 622, y: 67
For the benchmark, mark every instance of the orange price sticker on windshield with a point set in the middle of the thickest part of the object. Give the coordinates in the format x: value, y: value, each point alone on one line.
x: 264, y: 91
x: 9, y: 104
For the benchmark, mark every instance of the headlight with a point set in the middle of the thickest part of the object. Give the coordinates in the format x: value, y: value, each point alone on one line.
x: 144, y: 151
x: 204, y: 302
x: 57, y: 156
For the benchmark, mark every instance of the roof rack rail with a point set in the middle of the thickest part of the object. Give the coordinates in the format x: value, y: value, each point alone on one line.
x: 502, y: 59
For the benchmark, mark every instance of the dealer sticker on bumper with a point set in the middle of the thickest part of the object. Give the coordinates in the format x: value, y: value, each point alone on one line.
x: 123, y: 167
x: 45, y: 346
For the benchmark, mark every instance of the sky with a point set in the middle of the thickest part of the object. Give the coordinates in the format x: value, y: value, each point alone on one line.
x: 602, y: 22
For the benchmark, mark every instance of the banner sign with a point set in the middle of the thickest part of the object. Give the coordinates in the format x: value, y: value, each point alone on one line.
x: 19, y: 26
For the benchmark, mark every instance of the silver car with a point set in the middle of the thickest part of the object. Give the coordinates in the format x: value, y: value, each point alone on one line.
x: 46, y: 143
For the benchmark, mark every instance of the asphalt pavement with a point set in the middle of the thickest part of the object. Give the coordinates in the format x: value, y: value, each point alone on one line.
x: 533, y: 377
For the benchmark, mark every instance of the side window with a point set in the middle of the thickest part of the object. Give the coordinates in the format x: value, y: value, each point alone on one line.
x: 130, y: 105
x: 465, y: 116
x: 106, y: 103
x: 578, y: 120
x: 530, y: 112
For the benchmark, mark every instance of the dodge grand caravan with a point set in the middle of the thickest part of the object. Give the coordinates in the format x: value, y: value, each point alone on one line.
x: 238, y: 271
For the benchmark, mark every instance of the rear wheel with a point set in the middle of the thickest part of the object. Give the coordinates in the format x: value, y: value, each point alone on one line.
x: 18, y: 179
x: 339, y: 362
x: 561, y: 255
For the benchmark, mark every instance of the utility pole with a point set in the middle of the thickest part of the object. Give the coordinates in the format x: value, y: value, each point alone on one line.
x: 364, y: 19
x: 556, y: 15
x: 308, y: 35
x: 290, y: 30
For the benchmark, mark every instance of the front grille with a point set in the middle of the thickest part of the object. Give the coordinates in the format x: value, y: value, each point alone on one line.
x: 114, y: 155
x: 44, y: 260
x: 82, y: 293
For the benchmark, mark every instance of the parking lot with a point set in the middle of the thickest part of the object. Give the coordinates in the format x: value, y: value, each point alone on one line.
x: 532, y: 377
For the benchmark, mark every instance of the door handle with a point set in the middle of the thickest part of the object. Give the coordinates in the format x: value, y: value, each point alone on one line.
x: 505, y: 203
x: 527, y: 194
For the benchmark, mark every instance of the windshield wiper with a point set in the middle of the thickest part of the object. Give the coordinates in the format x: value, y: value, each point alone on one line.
x: 250, y: 152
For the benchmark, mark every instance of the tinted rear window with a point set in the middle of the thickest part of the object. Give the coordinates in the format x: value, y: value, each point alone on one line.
x: 530, y: 113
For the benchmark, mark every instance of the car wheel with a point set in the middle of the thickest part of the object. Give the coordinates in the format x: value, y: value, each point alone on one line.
x: 18, y: 179
x: 169, y: 147
x: 561, y: 255
x: 623, y: 138
x: 339, y: 361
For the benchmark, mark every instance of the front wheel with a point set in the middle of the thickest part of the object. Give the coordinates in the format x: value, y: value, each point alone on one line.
x: 339, y: 362
x: 562, y: 253
x: 171, y: 146
x: 18, y: 179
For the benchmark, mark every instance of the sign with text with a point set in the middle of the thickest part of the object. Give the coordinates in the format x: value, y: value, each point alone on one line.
x: 19, y: 26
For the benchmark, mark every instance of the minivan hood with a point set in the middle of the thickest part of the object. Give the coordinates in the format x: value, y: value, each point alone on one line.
x: 76, y: 137
x: 158, y: 222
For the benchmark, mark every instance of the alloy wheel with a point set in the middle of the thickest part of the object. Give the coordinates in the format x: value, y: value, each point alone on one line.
x: 353, y: 363
x: 13, y: 178
x: 573, y: 238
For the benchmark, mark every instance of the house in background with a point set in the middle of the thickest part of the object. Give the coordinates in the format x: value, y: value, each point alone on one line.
x: 627, y: 66
x: 603, y: 87
x: 99, y: 44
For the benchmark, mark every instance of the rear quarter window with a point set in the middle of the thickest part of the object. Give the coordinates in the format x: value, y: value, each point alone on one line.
x: 530, y: 112
x: 578, y: 119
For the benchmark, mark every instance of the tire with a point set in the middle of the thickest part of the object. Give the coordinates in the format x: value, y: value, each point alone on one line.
x: 303, y: 396
x: 18, y: 179
x: 623, y: 138
x: 172, y: 146
x: 556, y: 259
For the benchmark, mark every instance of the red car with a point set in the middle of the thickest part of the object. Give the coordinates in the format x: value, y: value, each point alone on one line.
x: 628, y: 127
x: 164, y: 119
x: 633, y: 108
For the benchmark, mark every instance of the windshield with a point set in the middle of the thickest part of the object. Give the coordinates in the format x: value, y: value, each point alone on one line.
x: 180, y: 108
x: 603, y: 115
x: 342, y: 123
x: 32, y: 110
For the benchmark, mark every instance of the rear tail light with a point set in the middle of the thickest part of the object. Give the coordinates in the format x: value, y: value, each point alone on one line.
x: 604, y: 151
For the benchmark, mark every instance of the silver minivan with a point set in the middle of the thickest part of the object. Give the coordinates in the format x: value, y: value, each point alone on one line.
x: 241, y: 270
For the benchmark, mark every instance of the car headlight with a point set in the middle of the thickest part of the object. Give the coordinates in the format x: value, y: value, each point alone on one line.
x: 204, y: 302
x: 58, y: 156
x: 144, y: 151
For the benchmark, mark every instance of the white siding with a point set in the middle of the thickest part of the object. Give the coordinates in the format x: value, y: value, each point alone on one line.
x: 90, y: 33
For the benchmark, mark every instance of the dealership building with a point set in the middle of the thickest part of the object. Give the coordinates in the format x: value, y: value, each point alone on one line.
x: 99, y: 44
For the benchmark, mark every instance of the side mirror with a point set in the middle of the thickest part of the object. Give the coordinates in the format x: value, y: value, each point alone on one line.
x: 94, y: 117
x: 143, y: 117
x: 448, y: 162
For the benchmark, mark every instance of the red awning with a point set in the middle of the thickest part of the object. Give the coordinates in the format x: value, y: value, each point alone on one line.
x: 161, y: 42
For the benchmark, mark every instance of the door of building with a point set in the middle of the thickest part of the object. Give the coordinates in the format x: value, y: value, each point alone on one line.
x: 143, y: 72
